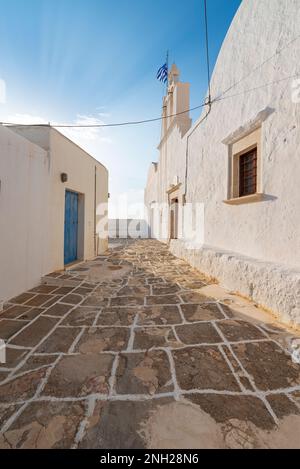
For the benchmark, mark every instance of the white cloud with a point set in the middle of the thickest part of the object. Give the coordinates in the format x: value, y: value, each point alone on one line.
x: 25, y: 119
x: 80, y: 135
x: 84, y: 134
x: 98, y: 143
x: 2, y: 91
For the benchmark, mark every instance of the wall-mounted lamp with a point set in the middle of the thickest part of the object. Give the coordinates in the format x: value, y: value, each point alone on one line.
x: 64, y: 177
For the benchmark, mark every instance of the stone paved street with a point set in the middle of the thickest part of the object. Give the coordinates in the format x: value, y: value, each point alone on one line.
x: 138, y: 350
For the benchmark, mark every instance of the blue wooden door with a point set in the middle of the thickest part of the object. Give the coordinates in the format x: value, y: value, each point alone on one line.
x: 71, y: 226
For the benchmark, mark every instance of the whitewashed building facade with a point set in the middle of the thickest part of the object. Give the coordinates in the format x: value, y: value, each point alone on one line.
x: 53, y: 206
x: 240, y: 160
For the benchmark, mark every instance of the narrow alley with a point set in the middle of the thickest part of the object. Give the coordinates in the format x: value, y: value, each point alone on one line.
x: 136, y: 349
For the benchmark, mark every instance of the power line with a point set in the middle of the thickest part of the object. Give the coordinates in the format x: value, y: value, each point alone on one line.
x: 255, y: 69
x: 209, y: 103
x: 207, y: 51
x: 145, y: 121
x: 216, y: 100
x: 119, y: 124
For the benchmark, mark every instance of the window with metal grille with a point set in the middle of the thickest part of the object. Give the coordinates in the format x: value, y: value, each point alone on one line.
x: 248, y: 173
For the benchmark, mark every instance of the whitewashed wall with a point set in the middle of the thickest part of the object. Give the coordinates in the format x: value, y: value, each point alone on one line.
x: 32, y: 202
x: 67, y: 157
x: 24, y: 175
x: 267, y: 230
x: 255, y: 72
x: 80, y: 167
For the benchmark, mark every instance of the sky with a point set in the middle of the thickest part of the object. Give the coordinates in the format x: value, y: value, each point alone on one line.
x: 95, y: 61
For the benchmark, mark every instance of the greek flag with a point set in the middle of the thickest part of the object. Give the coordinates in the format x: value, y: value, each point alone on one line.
x: 162, y: 74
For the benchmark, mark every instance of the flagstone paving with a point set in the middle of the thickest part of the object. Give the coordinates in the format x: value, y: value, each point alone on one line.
x: 136, y: 349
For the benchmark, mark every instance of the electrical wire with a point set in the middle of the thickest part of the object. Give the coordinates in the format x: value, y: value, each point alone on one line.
x: 216, y: 100
x: 206, y: 104
x: 119, y: 124
x: 209, y: 103
x: 221, y: 97
x: 207, y: 51
x: 145, y: 121
x: 255, y: 69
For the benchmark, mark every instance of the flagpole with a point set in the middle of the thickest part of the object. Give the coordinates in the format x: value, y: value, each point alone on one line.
x: 167, y: 62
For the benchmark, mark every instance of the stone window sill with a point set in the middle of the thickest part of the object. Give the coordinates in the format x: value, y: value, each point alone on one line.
x: 248, y: 199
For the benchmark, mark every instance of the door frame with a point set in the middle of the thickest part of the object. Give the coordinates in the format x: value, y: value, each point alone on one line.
x: 80, y: 226
x: 175, y: 199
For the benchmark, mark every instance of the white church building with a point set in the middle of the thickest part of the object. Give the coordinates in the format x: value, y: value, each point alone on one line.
x: 238, y: 166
